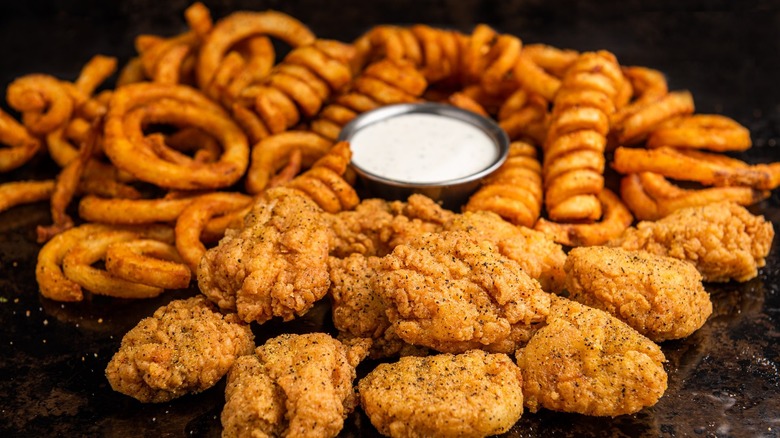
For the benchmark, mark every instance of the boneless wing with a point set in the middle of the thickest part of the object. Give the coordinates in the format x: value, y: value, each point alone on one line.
x: 589, y: 362
x: 276, y: 265
x: 661, y: 297
x: 185, y: 347
x: 294, y: 386
x: 451, y: 292
x: 723, y: 240
x: 473, y: 394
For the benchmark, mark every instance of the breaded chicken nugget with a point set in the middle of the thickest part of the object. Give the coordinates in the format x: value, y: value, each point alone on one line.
x: 277, y: 265
x: 451, y: 292
x: 358, y: 311
x: 474, y: 394
x: 295, y: 386
x: 589, y: 362
x: 660, y: 297
x: 185, y: 347
x: 723, y: 240
x: 538, y: 255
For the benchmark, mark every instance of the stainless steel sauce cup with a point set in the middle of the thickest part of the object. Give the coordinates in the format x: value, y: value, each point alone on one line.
x: 452, y: 193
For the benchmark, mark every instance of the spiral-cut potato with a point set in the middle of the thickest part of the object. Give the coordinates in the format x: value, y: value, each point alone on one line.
x: 634, y: 127
x: 615, y: 220
x: 384, y: 82
x: 573, y: 164
x: 134, y: 106
x: 300, y: 84
x: 514, y: 191
x: 651, y: 196
x: 147, y: 261
x: 24, y: 192
x: 272, y: 154
x: 435, y: 52
x: 647, y: 85
x: 702, y: 131
x: 324, y: 182
x: 43, y: 101
x: 240, y: 26
x: 22, y: 145
x: 523, y: 116
x: 489, y: 59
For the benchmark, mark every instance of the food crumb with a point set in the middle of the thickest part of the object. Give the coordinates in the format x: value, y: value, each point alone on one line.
x: 45, y: 322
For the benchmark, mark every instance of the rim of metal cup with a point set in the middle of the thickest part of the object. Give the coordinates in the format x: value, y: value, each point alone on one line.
x: 487, y: 125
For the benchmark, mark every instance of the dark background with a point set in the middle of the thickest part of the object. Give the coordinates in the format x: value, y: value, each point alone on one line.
x: 723, y: 380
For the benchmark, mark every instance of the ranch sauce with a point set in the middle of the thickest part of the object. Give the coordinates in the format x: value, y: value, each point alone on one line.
x: 422, y: 148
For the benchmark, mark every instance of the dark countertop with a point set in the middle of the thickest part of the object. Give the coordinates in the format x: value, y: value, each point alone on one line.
x: 723, y: 380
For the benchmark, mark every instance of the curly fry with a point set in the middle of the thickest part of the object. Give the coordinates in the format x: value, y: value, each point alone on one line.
x: 524, y: 117
x: 384, y: 82
x: 650, y: 196
x: 135, y: 104
x: 324, y: 182
x: 690, y: 165
x: 701, y: 131
x: 22, y: 146
x: 616, y: 219
x: 635, y: 127
x: 239, y: 26
x: 270, y: 155
x: 193, y: 219
x: 77, y: 267
x: 573, y: 163
x: 24, y: 192
x: 514, y: 191
x: 148, y: 262
x: 43, y: 100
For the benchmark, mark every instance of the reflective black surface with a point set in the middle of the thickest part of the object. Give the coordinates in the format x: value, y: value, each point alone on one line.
x: 723, y: 380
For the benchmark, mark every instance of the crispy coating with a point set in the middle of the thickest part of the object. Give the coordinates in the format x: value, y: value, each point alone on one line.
x: 277, y: 265
x: 660, y: 297
x: 538, y: 255
x: 185, y: 347
x: 473, y: 394
x: 377, y: 226
x: 451, y: 292
x: 723, y: 240
x: 295, y: 386
x: 589, y: 362
x: 358, y: 311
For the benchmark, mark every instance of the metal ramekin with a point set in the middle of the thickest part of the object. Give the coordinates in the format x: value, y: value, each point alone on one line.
x: 451, y: 193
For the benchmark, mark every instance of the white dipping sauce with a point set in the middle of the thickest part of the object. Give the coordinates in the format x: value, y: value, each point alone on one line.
x: 422, y: 148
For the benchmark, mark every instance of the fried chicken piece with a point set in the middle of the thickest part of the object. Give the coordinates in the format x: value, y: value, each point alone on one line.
x: 723, y: 240
x: 451, y: 292
x: 185, y: 347
x: 276, y: 265
x: 474, y: 394
x: 660, y: 297
x: 538, y: 255
x: 589, y: 362
x: 377, y: 226
x: 295, y: 386
x: 358, y: 311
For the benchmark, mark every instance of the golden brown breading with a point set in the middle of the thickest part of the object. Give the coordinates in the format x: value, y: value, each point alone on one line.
x: 723, y: 240
x: 185, y: 347
x: 277, y: 265
x: 538, y: 255
x: 296, y: 386
x: 377, y: 226
x: 451, y: 292
x: 660, y: 297
x: 589, y: 362
x: 358, y: 311
x: 474, y: 394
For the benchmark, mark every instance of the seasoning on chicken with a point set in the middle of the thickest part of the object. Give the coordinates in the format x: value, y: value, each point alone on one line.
x: 538, y: 255
x: 473, y: 394
x: 660, y: 297
x: 589, y: 362
x: 723, y: 240
x: 185, y: 347
x: 358, y: 311
x: 451, y: 292
x: 277, y: 265
x: 295, y: 386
